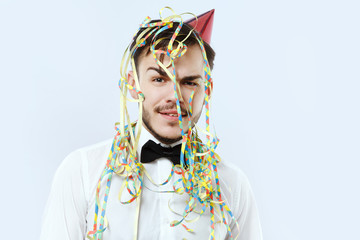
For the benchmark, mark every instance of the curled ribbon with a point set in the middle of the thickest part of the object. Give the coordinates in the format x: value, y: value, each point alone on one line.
x: 198, y: 161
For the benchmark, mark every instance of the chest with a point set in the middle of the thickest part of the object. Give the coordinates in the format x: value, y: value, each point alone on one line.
x: 150, y: 215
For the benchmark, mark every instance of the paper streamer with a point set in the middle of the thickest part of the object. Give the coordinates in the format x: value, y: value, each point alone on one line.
x: 198, y: 161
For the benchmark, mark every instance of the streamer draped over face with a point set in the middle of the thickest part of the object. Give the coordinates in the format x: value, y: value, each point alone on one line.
x: 198, y: 175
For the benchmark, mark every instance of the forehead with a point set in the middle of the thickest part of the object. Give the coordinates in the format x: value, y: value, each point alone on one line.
x: 192, y: 62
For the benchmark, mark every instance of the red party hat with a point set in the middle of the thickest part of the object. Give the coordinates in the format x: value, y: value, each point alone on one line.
x: 203, y: 24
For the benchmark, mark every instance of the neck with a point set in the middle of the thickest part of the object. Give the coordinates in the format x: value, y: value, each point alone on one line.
x: 161, y: 139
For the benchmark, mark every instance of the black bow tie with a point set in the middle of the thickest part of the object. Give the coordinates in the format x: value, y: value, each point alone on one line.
x: 152, y: 151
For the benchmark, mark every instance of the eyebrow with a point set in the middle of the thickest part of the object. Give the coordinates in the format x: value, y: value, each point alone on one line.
x: 158, y: 70
x: 163, y: 73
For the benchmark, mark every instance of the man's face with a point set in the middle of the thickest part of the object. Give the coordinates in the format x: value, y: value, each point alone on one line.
x: 159, y: 107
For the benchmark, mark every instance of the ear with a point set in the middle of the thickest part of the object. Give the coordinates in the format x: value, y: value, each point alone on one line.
x: 209, y: 90
x: 131, y: 81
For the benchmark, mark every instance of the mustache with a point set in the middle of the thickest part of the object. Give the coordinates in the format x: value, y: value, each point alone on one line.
x: 171, y: 106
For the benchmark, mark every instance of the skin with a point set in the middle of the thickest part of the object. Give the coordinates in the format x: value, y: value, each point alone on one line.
x: 159, y: 107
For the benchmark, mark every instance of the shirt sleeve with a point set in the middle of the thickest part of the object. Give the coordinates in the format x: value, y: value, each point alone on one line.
x: 65, y: 213
x: 247, y: 218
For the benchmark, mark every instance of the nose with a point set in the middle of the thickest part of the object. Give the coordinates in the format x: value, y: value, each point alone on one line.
x: 170, y: 93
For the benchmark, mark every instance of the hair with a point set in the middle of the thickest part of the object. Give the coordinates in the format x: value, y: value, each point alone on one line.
x: 166, y: 36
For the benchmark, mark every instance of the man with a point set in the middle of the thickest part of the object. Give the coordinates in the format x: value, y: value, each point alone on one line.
x: 160, y: 181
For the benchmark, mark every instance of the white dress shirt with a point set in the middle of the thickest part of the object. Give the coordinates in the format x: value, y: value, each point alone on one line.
x: 69, y: 213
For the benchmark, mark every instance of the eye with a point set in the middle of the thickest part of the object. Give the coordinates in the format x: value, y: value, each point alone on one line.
x: 191, y: 83
x: 159, y: 80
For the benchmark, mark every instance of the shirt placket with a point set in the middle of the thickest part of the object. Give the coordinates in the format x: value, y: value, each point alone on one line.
x: 163, y: 173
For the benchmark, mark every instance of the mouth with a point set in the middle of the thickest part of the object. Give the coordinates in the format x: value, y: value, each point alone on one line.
x: 172, y: 114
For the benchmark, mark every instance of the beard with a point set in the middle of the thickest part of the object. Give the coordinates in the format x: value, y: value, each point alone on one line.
x: 163, y: 139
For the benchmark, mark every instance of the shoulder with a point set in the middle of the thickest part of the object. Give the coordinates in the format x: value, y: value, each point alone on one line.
x: 95, y: 149
x: 237, y: 190
x: 232, y: 174
x: 90, y: 152
x: 83, y: 162
x: 235, y: 185
x: 65, y: 213
x: 89, y: 155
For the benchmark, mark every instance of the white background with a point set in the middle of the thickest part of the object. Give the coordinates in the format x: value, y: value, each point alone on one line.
x: 285, y: 104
